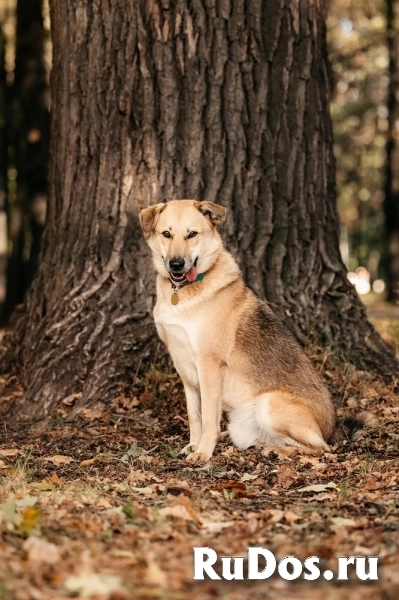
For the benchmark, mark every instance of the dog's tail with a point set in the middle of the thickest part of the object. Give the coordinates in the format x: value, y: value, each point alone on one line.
x: 353, y: 428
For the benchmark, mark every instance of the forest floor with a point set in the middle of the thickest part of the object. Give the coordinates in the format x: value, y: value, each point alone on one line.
x: 104, y: 507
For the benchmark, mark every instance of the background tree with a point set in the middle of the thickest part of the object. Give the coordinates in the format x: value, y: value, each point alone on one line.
x: 358, y: 53
x: 3, y: 157
x: 155, y: 100
x: 391, y: 202
x: 26, y: 155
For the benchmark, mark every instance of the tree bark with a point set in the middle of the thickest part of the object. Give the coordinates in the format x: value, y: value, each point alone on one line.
x: 391, y: 201
x: 190, y: 99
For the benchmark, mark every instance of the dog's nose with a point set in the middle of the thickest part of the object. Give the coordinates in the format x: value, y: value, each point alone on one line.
x: 176, y: 263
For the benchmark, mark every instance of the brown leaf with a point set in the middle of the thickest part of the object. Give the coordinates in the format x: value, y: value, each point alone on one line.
x: 59, y: 459
x: 54, y: 479
x: 290, y: 516
x: 87, y: 462
x: 286, y: 476
x: 10, y: 452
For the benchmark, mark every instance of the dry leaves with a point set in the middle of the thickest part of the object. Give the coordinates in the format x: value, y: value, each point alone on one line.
x: 107, y: 510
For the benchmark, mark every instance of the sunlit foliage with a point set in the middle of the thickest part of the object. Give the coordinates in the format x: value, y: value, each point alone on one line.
x: 359, y: 56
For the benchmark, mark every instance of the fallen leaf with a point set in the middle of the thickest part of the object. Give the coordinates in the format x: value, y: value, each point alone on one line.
x: 41, y: 551
x: 275, y: 515
x: 43, y: 485
x: 8, y: 513
x: 89, y: 584
x: 69, y: 400
x: 290, y: 517
x: 178, y: 511
x: 154, y: 575
x: 248, y: 477
x: 104, y: 503
x: 26, y: 501
x: 143, y: 490
x: 238, y: 489
x: 286, y: 475
x: 318, y: 487
x: 216, y: 526
x: 10, y: 452
x: 310, y: 460
x: 59, y: 459
x: 29, y: 519
x: 341, y: 521
x: 55, y: 479
x: 87, y: 463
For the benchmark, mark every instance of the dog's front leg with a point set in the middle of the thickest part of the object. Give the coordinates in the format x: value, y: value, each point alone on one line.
x: 193, y: 401
x: 210, y: 379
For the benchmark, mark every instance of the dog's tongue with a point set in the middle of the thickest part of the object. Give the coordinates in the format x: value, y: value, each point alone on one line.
x: 191, y: 275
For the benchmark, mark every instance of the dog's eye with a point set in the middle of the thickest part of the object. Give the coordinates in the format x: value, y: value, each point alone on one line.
x: 166, y: 234
x: 192, y: 234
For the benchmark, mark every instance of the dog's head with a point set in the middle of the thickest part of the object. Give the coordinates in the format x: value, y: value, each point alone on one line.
x: 183, y: 237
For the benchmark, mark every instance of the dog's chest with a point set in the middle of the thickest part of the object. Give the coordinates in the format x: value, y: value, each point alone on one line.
x: 177, y: 330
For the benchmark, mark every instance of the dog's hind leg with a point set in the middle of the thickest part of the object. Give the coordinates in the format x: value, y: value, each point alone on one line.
x: 288, y: 421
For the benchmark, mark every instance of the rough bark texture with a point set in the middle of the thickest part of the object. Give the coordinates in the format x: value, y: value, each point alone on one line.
x: 391, y: 204
x: 202, y: 99
x: 28, y: 145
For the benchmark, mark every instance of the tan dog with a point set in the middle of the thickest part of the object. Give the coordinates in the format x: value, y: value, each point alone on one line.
x: 229, y: 348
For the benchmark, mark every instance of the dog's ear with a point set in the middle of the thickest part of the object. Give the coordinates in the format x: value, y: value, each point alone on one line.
x: 214, y: 212
x: 148, y: 217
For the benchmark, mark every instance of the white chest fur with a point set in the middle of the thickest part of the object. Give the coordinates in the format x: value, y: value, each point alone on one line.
x: 180, y: 331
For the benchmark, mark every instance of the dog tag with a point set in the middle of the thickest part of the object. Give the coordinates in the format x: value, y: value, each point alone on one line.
x: 175, y: 298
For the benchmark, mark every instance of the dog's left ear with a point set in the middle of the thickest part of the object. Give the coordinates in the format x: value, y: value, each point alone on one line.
x: 148, y: 216
x: 214, y: 212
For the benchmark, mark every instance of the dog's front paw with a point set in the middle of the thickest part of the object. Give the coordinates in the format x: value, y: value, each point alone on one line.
x: 189, y: 449
x: 198, y: 457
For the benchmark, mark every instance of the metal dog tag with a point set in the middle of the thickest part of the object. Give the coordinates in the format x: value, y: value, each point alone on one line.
x: 174, y: 298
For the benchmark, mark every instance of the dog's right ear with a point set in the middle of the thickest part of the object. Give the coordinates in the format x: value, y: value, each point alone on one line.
x: 148, y: 217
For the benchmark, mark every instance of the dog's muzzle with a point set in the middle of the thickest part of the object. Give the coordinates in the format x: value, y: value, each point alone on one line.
x: 176, y: 269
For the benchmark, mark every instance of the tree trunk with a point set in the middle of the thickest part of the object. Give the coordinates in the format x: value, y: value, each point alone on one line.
x: 3, y: 165
x: 153, y: 100
x: 28, y: 153
x: 391, y: 203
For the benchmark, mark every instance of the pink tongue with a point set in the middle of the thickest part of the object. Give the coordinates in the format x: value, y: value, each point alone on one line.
x: 191, y: 275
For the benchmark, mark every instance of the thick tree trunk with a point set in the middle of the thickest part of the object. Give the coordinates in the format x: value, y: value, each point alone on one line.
x: 28, y: 154
x: 154, y: 100
x: 391, y: 204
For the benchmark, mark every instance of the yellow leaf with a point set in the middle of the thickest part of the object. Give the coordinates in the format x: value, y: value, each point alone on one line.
x: 30, y: 518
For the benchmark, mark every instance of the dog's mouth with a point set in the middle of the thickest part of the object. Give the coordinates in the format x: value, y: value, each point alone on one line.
x: 189, y: 276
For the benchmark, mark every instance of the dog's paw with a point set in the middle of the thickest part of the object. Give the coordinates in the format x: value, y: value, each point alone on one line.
x: 289, y: 451
x: 198, y: 457
x: 189, y: 449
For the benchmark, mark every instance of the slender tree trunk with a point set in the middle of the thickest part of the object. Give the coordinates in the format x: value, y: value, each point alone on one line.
x: 29, y: 140
x: 3, y: 167
x: 391, y: 204
x: 154, y: 100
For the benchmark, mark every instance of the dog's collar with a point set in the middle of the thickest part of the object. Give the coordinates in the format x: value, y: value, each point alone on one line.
x: 177, y: 287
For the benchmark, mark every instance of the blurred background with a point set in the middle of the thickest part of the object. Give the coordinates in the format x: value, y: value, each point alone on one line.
x: 363, y: 45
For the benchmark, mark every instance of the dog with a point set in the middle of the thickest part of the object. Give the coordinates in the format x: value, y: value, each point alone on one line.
x: 230, y: 350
